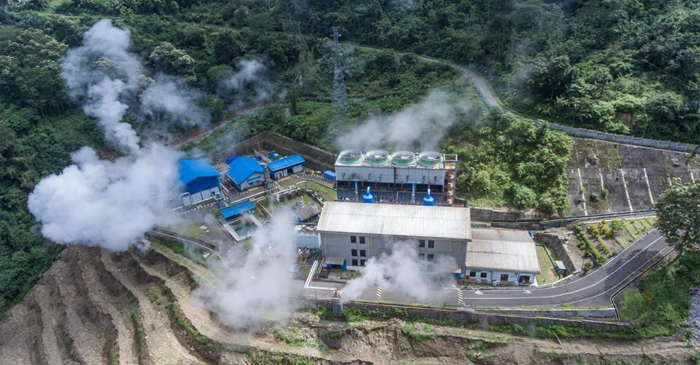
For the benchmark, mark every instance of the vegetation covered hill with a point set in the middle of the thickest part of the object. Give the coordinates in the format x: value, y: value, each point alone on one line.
x: 617, y: 65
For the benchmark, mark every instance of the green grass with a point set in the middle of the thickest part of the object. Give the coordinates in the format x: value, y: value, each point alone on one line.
x: 336, y: 335
x: 114, y: 354
x: 548, y: 274
x: 419, y: 331
x: 325, y: 192
x: 289, y: 336
x: 257, y: 358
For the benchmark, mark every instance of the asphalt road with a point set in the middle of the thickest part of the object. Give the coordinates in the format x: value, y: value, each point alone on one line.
x: 594, y: 289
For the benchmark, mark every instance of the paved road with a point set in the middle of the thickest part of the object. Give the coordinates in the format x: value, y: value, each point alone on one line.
x: 595, y: 289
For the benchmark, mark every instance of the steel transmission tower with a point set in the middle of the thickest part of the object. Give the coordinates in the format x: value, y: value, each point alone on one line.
x: 339, y: 97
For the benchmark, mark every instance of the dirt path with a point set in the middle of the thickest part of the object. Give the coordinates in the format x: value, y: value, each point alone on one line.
x: 107, y: 299
x: 90, y: 328
x: 162, y: 344
x: 56, y: 346
x: 21, y: 335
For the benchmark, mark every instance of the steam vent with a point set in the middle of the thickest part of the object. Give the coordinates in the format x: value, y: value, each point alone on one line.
x: 399, y: 177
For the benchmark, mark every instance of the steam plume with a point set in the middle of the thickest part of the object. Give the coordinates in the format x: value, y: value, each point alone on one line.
x: 100, y: 74
x: 405, y: 272
x: 112, y: 203
x: 168, y: 100
x: 250, y: 74
x: 424, y: 123
x: 255, y: 286
x: 104, y: 203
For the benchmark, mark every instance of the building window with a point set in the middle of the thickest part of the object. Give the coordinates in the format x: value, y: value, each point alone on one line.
x: 421, y: 256
x: 354, y: 262
x: 504, y: 277
x: 363, y: 253
x: 362, y: 262
x: 362, y: 240
x: 421, y: 243
x: 353, y: 239
x: 431, y: 244
x: 472, y: 274
x: 353, y: 252
x: 484, y: 275
x: 430, y: 257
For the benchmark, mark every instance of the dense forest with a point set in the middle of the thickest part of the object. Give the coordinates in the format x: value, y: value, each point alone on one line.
x: 627, y: 66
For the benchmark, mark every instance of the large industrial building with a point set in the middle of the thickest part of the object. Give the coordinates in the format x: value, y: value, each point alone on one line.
x: 358, y: 231
x: 353, y: 232
x: 401, y: 177
x: 200, y: 180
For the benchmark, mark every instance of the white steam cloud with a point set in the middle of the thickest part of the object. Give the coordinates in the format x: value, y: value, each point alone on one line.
x: 424, y: 123
x: 169, y: 101
x: 250, y: 74
x: 112, y: 203
x: 255, y: 286
x: 403, y: 271
x: 105, y: 203
x: 100, y: 74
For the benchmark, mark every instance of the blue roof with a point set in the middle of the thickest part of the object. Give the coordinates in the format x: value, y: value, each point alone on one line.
x: 242, y: 167
x: 237, y: 209
x: 190, y: 170
x: 286, y: 162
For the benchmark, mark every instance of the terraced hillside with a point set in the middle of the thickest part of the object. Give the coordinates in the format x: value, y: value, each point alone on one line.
x: 609, y: 178
x: 94, y: 307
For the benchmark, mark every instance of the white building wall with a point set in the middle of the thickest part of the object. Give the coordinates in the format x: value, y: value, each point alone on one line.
x: 492, y: 276
x: 246, y: 184
x: 341, y: 245
x: 190, y: 199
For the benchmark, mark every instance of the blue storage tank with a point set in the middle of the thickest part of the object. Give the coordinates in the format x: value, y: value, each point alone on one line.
x: 429, y: 200
x: 368, y: 197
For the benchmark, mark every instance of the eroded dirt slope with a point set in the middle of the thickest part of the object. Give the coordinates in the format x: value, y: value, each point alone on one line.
x: 94, y: 307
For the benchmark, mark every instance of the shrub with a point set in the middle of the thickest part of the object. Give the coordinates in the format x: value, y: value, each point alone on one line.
x: 594, y: 197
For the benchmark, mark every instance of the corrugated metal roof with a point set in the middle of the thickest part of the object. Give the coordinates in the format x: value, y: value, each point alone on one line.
x: 190, y: 170
x: 396, y: 220
x: 237, y: 209
x: 286, y: 162
x: 242, y: 167
x: 502, y: 249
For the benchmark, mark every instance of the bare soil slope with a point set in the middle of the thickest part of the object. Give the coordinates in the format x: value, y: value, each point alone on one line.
x: 94, y: 307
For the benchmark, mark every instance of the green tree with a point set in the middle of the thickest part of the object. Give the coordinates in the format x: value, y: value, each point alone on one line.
x: 226, y: 48
x: 678, y: 210
x: 166, y: 58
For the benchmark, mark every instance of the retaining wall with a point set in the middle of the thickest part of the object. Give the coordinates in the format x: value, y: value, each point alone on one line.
x: 470, y: 317
x: 556, y: 313
x: 315, y: 157
x: 556, y: 242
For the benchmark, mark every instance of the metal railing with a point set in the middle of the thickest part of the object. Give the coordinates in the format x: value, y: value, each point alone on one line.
x: 617, y: 138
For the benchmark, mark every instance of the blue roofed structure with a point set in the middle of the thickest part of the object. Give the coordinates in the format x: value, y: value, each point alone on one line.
x: 237, y: 210
x: 286, y: 166
x: 200, y: 180
x: 244, y: 172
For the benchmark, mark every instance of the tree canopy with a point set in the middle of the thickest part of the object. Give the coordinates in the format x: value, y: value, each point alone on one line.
x: 678, y: 209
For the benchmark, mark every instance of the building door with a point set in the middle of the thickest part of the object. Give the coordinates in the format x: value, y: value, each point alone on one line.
x: 524, y: 280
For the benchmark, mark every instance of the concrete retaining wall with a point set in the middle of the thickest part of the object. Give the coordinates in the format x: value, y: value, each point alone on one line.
x: 470, y: 317
x: 556, y: 242
x: 315, y: 157
x: 556, y: 313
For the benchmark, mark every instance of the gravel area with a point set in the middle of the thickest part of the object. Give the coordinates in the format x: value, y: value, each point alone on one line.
x: 693, y: 320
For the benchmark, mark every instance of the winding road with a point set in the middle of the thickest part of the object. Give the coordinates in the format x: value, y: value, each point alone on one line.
x: 593, y: 290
